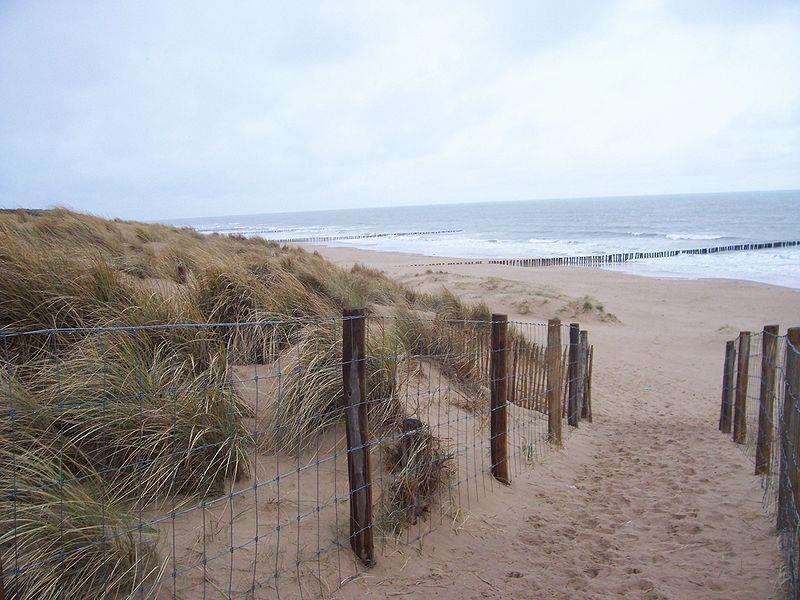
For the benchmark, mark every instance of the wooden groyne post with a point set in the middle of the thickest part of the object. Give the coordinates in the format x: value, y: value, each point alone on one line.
x: 553, y: 360
x: 498, y: 379
x: 728, y: 369
x: 766, y: 400
x: 355, y: 400
x: 740, y: 402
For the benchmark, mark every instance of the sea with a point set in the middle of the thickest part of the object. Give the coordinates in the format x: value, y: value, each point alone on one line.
x: 563, y: 227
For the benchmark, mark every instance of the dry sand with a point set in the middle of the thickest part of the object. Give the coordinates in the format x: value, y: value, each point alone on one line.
x: 649, y: 501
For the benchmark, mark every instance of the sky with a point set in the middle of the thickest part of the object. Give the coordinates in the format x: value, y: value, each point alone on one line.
x: 156, y: 110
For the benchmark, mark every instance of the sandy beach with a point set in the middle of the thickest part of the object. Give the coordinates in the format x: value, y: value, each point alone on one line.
x: 279, y: 316
x: 650, y: 500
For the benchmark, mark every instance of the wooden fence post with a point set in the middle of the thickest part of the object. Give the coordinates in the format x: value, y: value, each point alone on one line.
x: 355, y: 397
x: 740, y: 404
x: 563, y: 370
x: 590, y: 360
x: 572, y: 374
x: 727, y: 387
x: 498, y: 379
x: 553, y: 359
x: 583, y: 373
x: 789, y: 438
x: 766, y: 400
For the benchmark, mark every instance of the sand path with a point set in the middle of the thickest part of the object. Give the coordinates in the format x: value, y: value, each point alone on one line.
x: 650, y: 501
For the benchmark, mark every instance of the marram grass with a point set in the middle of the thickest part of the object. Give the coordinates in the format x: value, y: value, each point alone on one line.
x: 100, y: 424
x: 64, y: 536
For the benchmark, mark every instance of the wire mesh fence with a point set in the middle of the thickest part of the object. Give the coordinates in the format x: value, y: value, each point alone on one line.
x: 760, y: 408
x: 265, y: 459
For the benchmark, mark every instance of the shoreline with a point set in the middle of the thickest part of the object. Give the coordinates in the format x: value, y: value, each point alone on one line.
x: 347, y: 256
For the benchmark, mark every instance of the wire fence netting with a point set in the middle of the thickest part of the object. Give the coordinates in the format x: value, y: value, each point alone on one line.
x: 212, y: 460
x: 760, y: 405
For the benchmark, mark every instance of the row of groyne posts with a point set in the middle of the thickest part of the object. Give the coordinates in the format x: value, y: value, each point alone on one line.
x: 775, y: 365
x: 326, y: 238
x: 606, y: 259
x: 363, y: 236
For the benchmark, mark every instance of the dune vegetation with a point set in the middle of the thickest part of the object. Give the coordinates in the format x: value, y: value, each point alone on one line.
x: 102, y: 419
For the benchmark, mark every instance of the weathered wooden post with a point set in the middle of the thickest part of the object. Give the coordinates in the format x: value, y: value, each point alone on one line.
x: 553, y: 360
x: 572, y: 374
x: 589, y: 385
x: 740, y: 403
x: 583, y: 374
x: 789, y: 435
x: 792, y: 390
x: 564, y: 372
x: 358, y: 470
x: 727, y: 387
x: 766, y: 400
x: 498, y: 379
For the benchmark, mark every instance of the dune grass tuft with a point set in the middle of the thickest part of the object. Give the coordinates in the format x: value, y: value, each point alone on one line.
x: 418, y: 468
x: 65, y: 536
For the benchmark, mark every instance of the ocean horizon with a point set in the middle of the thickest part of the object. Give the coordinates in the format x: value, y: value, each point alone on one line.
x: 562, y: 227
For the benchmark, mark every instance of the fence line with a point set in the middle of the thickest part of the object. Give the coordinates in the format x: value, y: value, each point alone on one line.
x: 209, y: 460
x: 596, y: 260
x: 761, y: 386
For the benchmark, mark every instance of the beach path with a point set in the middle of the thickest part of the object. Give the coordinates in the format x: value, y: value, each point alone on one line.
x: 649, y: 501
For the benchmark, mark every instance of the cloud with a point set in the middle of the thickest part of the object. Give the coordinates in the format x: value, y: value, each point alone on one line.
x: 182, y: 109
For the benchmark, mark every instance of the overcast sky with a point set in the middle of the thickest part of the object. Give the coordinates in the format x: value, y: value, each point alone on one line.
x: 169, y: 109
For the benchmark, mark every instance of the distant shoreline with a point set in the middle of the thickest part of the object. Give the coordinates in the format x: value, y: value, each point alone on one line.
x: 666, y: 235
x: 393, y: 260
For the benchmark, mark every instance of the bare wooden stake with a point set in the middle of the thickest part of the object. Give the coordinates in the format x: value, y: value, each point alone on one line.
x: 583, y: 374
x: 553, y: 359
x: 498, y: 378
x: 792, y: 390
x: 358, y: 470
x: 766, y: 400
x: 728, y: 369
x: 563, y: 371
x: 789, y: 436
x: 589, y: 385
x: 572, y: 374
x: 740, y: 403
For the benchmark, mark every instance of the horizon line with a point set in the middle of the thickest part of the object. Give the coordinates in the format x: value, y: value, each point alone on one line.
x: 545, y: 199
